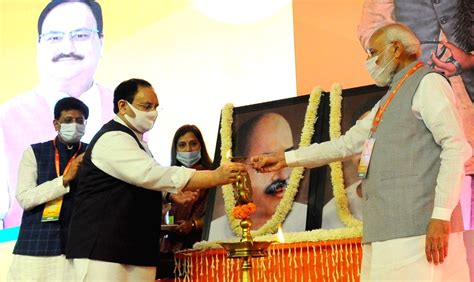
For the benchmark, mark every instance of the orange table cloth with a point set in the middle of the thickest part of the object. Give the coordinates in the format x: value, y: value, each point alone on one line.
x: 336, y: 260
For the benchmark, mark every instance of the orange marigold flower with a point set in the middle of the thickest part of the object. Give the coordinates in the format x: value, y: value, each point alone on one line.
x: 244, y: 211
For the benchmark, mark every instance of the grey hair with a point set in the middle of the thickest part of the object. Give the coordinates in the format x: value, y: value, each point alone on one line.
x: 403, y: 34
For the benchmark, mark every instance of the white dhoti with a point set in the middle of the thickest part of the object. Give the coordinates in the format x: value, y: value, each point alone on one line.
x: 45, y: 268
x: 95, y: 270
x: 404, y: 259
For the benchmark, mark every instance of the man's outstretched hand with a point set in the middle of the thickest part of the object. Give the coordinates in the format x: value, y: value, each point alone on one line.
x: 269, y: 162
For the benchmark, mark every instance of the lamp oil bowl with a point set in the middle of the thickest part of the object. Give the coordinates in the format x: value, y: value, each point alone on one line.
x: 246, y: 249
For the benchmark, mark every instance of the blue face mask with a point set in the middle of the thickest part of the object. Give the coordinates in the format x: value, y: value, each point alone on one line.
x: 188, y: 159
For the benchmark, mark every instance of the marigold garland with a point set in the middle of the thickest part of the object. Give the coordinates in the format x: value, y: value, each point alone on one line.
x: 244, y: 211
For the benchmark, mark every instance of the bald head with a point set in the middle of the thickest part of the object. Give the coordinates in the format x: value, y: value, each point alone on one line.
x: 397, y: 32
x: 268, y: 127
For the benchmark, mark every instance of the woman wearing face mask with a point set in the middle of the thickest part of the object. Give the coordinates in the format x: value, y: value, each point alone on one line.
x: 188, y: 149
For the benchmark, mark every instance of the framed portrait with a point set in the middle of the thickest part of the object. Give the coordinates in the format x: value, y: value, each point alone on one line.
x: 265, y: 128
x: 275, y: 126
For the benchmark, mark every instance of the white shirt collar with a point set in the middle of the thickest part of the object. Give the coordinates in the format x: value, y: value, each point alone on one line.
x: 138, y: 134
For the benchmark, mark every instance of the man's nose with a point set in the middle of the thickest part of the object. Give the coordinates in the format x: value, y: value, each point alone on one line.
x: 66, y: 46
x: 283, y: 174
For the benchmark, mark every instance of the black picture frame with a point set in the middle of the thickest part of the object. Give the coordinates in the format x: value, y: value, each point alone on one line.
x: 316, y: 185
x: 293, y: 109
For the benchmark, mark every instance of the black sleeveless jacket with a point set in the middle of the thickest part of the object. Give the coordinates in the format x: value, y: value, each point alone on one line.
x: 113, y: 220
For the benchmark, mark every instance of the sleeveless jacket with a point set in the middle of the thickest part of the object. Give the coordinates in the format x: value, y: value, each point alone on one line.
x: 428, y: 17
x: 38, y: 238
x: 400, y: 186
x: 113, y: 220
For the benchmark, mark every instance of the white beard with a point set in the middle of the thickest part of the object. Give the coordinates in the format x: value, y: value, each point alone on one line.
x: 386, y: 77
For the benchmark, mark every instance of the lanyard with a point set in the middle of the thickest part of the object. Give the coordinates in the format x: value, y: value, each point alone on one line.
x: 56, y: 159
x: 381, y: 110
x: 52, y: 209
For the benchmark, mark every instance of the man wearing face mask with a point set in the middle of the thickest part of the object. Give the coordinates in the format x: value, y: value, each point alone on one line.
x: 46, y: 189
x: 115, y: 226
x: 411, y: 171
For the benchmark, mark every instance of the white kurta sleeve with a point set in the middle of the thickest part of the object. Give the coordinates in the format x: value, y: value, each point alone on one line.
x: 434, y: 103
x: 342, y: 148
x: 118, y: 154
x: 29, y: 194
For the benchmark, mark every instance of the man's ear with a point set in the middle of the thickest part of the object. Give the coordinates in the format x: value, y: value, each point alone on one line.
x: 57, y: 125
x: 122, y: 106
x: 399, y: 49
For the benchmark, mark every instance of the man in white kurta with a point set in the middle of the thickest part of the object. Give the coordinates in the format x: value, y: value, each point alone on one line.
x: 423, y: 255
x: 115, y: 225
x: 47, y: 173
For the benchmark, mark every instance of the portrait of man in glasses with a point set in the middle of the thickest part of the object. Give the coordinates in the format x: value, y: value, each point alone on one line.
x: 69, y: 48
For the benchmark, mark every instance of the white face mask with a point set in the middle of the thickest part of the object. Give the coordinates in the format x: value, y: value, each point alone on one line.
x: 71, y: 132
x: 143, y: 121
x: 188, y: 159
x: 380, y: 74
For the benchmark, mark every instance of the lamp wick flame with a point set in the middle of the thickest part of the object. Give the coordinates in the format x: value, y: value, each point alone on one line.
x: 280, y: 236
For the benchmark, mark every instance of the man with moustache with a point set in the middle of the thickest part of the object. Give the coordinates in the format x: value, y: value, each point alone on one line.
x: 70, y: 34
x: 412, y: 172
x: 264, y: 133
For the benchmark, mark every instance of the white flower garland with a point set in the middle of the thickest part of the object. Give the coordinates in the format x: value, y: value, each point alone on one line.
x: 337, y: 175
x: 286, y: 203
x: 283, y: 208
x: 316, y: 235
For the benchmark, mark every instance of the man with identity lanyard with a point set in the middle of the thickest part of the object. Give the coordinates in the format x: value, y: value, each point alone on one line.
x: 46, y: 188
x: 413, y: 154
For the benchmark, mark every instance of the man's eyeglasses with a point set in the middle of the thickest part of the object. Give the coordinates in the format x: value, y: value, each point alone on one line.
x: 149, y: 107
x: 81, y: 34
x: 372, y: 52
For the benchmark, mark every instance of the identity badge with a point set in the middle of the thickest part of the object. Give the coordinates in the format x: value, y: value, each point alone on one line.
x: 365, y: 158
x: 52, y: 209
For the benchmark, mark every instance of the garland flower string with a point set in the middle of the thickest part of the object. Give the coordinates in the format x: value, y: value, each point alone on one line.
x: 226, y: 149
x: 296, y: 175
x: 317, y: 235
x: 337, y: 176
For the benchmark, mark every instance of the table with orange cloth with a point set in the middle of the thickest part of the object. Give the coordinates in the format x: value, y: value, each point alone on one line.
x: 335, y: 260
